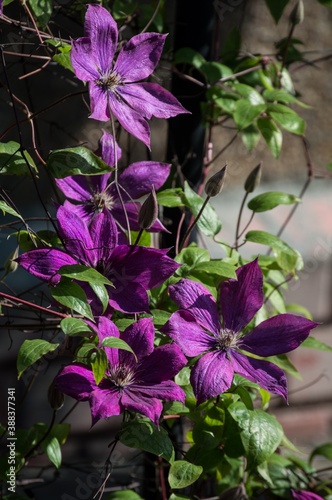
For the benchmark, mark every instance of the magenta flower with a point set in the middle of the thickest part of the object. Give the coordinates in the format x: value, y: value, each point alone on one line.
x: 197, y: 329
x: 305, y: 495
x: 92, y: 194
x: 132, y: 269
x: 115, y: 87
x: 131, y: 385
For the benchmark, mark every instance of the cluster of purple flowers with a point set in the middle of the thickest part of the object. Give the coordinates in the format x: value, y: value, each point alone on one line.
x: 92, y: 225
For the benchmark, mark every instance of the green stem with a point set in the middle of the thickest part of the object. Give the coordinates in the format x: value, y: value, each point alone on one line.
x: 192, y: 225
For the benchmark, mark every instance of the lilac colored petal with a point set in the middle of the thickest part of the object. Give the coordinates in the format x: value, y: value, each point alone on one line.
x: 105, y: 401
x: 45, y: 262
x: 269, y: 376
x: 150, y: 99
x: 132, y: 215
x: 139, y: 57
x: 104, y: 235
x: 198, y: 300
x: 101, y: 28
x: 106, y: 328
x: 128, y: 297
x: 75, y: 188
x: 163, y: 364
x: 84, y: 212
x: 166, y: 391
x: 98, y: 102
x: 140, y: 337
x: 107, y: 150
x: 135, y: 401
x: 188, y: 334
x: 305, y: 495
x: 138, y: 178
x: 77, y: 381
x: 130, y: 119
x: 83, y: 60
x: 242, y: 298
x: 99, y: 182
x: 277, y: 335
x: 212, y: 375
x: 75, y: 234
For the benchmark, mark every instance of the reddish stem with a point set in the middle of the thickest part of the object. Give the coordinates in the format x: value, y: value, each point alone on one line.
x: 32, y: 305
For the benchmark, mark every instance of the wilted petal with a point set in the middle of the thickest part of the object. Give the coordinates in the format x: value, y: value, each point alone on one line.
x: 188, y: 335
x: 106, y: 328
x: 140, y: 337
x: 83, y: 60
x: 101, y: 28
x: 194, y: 297
x: 139, y: 57
x: 277, y: 335
x: 138, y: 178
x: 136, y: 401
x: 242, y: 298
x: 105, y: 401
x: 98, y: 102
x: 269, y: 376
x: 44, y: 263
x: 150, y: 99
x: 163, y: 364
x: 109, y: 150
x: 212, y: 375
x: 75, y: 188
x: 77, y: 381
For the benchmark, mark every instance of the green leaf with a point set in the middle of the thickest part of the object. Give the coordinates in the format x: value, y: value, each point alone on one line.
x: 98, y: 360
x: 249, y: 93
x: 285, y: 364
x: 282, y: 96
x: 124, y: 495
x: 144, y: 435
x: 246, y: 113
x: 63, y: 57
x: 183, y: 473
x: 117, y: 343
x: 271, y: 134
x: 42, y: 10
x: 53, y: 451
x: 270, y: 200
x: 73, y: 161
x: 327, y: 3
x: 190, y: 56
x: 261, y: 432
x: 287, y: 257
x: 101, y: 293
x: 75, y: 327
x: 209, y: 222
x: 222, y: 99
x: 84, y: 273
x: 30, y: 351
x: 192, y: 255
x: 314, y: 343
x: 13, y: 161
x: 250, y: 137
x: 287, y: 118
x: 84, y: 352
x: 216, y: 267
x: 178, y: 497
x: 171, y: 198
x: 276, y: 8
x: 71, y: 295
x: 214, y: 71
x: 324, y: 450
x: 9, y: 210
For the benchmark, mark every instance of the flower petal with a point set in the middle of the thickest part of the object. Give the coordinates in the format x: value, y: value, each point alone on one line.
x: 166, y: 391
x: 108, y: 152
x: 82, y: 57
x: 194, y: 297
x: 163, y: 364
x: 77, y: 381
x: 212, y: 375
x: 269, y: 376
x: 138, y: 178
x: 104, y: 235
x: 75, y: 187
x: 106, y: 328
x: 101, y: 28
x: 45, y: 262
x: 242, y: 298
x: 133, y: 400
x: 140, y: 337
x: 139, y: 57
x: 127, y: 296
x: 277, y: 335
x: 98, y: 102
x: 84, y: 212
x: 188, y: 334
x: 105, y: 401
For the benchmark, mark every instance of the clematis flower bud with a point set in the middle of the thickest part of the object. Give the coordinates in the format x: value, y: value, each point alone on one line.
x: 253, y: 179
x: 149, y: 211
x: 215, y: 184
x: 10, y: 265
x: 297, y: 14
x: 55, y: 397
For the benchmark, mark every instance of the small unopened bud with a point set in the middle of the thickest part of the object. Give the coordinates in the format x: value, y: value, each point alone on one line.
x: 10, y: 265
x: 215, y: 184
x: 253, y: 179
x: 297, y: 14
x: 149, y: 211
x: 55, y: 397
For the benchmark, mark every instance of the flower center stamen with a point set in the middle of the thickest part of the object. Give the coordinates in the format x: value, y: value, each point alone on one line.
x: 101, y: 200
x: 108, y: 81
x: 121, y: 376
x: 226, y: 339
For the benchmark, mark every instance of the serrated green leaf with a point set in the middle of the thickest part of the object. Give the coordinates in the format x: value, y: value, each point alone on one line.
x: 171, y: 197
x: 71, y: 295
x: 209, y: 222
x: 270, y: 200
x: 271, y: 134
x: 84, y: 273
x: 287, y: 118
x: 31, y: 351
x: 13, y: 161
x: 183, y: 473
x: 73, y: 161
x: 98, y: 364
x: 144, y: 435
x: 276, y: 8
x: 313, y: 343
x: 117, y: 343
x: 75, y: 327
x: 246, y: 113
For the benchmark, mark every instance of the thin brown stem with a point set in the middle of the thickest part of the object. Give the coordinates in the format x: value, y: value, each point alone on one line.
x: 33, y: 306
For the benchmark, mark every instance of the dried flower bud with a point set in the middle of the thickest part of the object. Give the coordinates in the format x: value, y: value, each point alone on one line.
x: 297, y: 14
x: 253, y: 179
x: 10, y: 265
x: 149, y: 211
x: 55, y: 397
x: 215, y: 184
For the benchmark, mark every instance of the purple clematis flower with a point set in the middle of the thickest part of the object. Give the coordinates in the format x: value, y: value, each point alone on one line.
x: 134, y: 385
x: 94, y: 193
x: 197, y: 329
x: 132, y: 269
x: 116, y: 88
x: 305, y: 495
